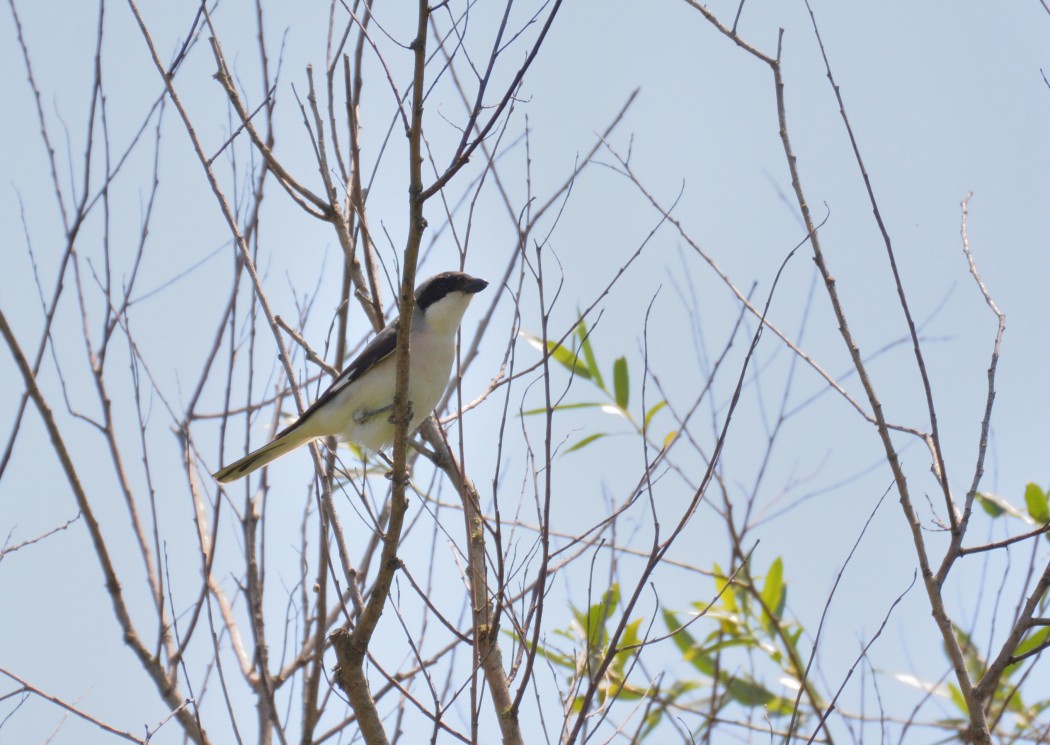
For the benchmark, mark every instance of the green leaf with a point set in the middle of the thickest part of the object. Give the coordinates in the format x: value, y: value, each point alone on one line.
x: 748, y: 692
x: 774, y: 594
x: 702, y: 661
x: 990, y: 505
x: 628, y: 639
x: 971, y: 655
x: 1035, y: 500
x: 1013, y: 702
x: 998, y: 505
x: 585, y: 442
x: 597, y: 615
x: 569, y: 359
x: 957, y: 698
x: 722, y: 586
x: 687, y: 644
x: 780, y: 707
x: 652, y: 720
x: 623, y: 692
x: 621, y: 382
x: 556, y: 658
x: 652, y: 412
x: 1032, y: 641
x: 682, y: 639
x: 546, y: 652
x: 588, y: 353
x: 563, y: 407
x: 726, y: 641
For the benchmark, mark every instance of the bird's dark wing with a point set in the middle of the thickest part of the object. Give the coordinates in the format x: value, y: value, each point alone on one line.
x: 381, y: 347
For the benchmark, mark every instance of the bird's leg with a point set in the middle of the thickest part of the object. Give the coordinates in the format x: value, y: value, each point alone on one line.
x: 392, y: 419
x: 363, y: 415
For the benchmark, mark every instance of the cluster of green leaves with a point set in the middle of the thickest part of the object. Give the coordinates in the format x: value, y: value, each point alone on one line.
x: 743, y: 621
x: 1007, y: 697
x: 589, y: 636
x: 749, y: 642
x: 582, y: 362
x: 1036, y: 504
x: 1037, y: 507
x: 749, y: 619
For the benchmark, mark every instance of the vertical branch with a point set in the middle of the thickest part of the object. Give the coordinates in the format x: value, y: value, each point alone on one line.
x: 352, y: 647
x: 488, y: 654
x: 467, y: 147
x: 940, y: 470
x: 357, y: 198
x: 954, y: 550
x: 933, y: 589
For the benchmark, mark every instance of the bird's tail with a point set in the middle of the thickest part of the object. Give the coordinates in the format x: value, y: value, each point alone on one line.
x: 285, y: 443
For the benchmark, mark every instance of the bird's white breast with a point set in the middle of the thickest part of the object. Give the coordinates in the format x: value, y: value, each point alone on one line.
x: 362, y: 411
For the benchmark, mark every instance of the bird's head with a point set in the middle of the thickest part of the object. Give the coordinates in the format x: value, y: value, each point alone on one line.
x: 443, y: 299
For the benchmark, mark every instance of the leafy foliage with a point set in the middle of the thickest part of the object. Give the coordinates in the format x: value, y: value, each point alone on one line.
x: 582, y: 361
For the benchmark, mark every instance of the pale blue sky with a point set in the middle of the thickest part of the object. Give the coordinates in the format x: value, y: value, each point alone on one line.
x: 945, y: 98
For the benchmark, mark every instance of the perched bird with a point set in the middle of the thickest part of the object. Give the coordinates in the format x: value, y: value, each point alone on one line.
x: 359, y: 404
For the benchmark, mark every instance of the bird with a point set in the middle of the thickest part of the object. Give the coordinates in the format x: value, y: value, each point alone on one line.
x: 358, y: 405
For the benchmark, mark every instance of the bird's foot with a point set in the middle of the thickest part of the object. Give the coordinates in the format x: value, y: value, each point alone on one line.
x: 393, y: 417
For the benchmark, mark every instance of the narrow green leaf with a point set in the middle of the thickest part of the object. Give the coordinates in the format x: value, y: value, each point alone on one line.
x: 652, y: 720
x: 597, y: 615
x: 588, y: 353
x: 556, y: 658
x: 623, y: 692
x: 630, y: 636
x: 585, y: 442
x: 990, y: 505
x: 957, y: 698
x: 774, y: 594
x: 563, y: 407
x: 972, y: 656
x: 546, y: 652
x: 702, y: 661
x: 682, y: 639
x: 722, y: 586
x: 993, y: 502
x: 568, y: 359
x: 1035, y: 500
x: 628, y: 639
x: 621, y: 382
x: 687, y: 644
x: 652, y: 412
x: 1032, y: 641
x: 780, y: 707
x: 726, y: 641
x: 563, y: 355
x: 749, y: 692
x: 1012, y: 698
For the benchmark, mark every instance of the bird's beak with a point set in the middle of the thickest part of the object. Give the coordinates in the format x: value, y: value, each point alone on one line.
x: 475, y: 285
